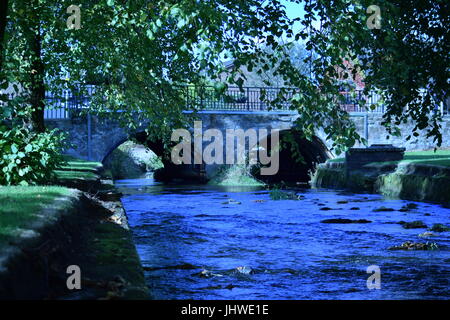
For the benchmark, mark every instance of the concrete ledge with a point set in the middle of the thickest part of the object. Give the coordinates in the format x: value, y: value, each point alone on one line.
x: 356, y: 158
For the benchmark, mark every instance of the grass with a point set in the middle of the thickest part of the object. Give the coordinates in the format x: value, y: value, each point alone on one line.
x: 75, y: 175
x: 78, y: 169
x: 336, y: 160
x: 75, y: 164
x: 19, y: 206
x: 438, y: 158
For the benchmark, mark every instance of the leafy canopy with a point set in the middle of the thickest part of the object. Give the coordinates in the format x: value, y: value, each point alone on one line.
x: 140, y: 52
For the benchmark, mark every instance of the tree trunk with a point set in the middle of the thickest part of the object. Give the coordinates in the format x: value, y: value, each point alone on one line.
x: 3, y: 13
x: 37, y: 84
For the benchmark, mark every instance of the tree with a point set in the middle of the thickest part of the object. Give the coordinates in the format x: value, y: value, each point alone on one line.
x: 140, y: 53
x: 28, y: 152
x: 143, y: 52
x: 32, y: 55
x: 406, y: 60
x: 3, y: 11
x: 259, y: 77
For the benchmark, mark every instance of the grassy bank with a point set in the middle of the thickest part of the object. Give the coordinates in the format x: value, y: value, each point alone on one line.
x: 79, y: 174
x: 438, y: 158
x: 68, y: 226
x: 21, y: 206
x: 75, y: 164
x: 78, y: 169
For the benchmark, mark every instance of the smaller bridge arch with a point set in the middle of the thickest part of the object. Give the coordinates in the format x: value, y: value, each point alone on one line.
x: 140, y: 137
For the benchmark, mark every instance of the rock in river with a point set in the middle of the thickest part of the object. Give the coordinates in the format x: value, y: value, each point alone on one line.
x: 231, y: 201
x: 382, y: 209
x: 439, y: 227
x: 207, y: 274
x: 409, y: 245
x: 413, y: 225
x: 427, y: 234
x: 408, y: 207
x: 244, y: 270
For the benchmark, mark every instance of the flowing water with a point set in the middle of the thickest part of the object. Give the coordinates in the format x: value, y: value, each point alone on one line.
x: 192, y: 240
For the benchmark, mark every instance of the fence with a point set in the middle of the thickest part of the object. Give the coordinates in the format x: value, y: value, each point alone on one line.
x: 269, y: 99
x: 351, y: 102
x: 236, y: 99
x: 70, y: 103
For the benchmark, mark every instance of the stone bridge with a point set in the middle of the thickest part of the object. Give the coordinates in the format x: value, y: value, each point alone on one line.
x: 95, y: 138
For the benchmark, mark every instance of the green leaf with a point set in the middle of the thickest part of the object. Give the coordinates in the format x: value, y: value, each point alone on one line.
x: 150, y: 35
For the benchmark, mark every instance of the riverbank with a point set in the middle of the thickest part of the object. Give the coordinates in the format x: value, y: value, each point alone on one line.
x: 421, y: 176
x: 46, y: 229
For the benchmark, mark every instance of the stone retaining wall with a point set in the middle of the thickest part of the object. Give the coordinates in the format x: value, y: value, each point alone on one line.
x: 417, y: 182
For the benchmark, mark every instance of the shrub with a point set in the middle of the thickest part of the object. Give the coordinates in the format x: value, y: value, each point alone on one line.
x: 278, y: 194
x: 27, y: 157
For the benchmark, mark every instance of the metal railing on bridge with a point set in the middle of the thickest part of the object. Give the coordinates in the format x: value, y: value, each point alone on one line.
x: 260, y: 98
x: 70, y: 103
x: 64, y: 105
x: 237, y: 99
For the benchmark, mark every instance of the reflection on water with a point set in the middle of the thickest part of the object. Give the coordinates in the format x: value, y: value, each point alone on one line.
x: 192, y: 239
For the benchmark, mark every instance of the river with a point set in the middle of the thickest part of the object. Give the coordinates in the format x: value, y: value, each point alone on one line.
x: 196, y: 243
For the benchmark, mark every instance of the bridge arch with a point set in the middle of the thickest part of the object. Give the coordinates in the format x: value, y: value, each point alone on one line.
x: 141, y: 137
x: 291, y: 168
